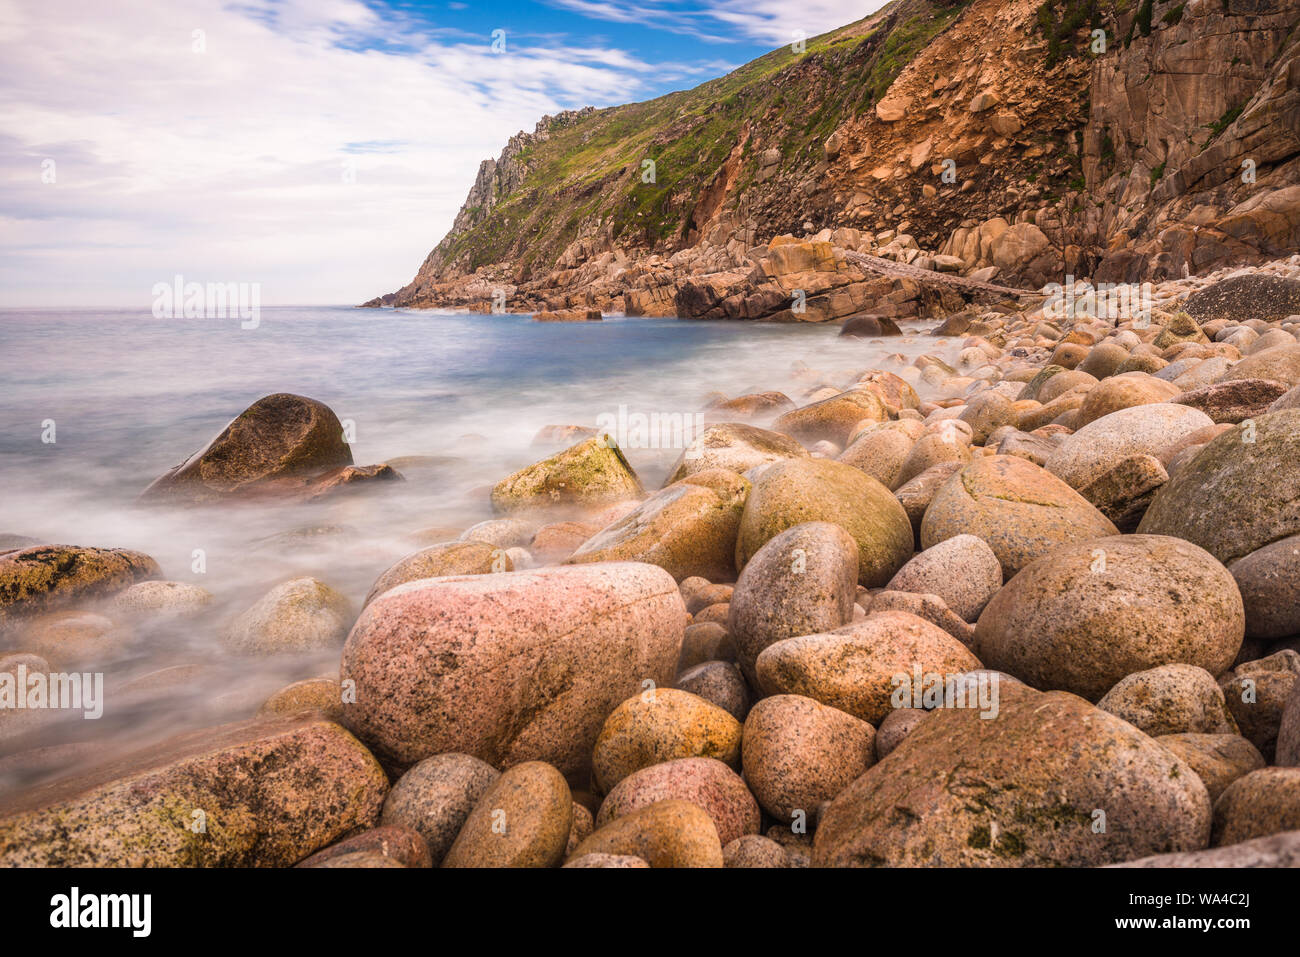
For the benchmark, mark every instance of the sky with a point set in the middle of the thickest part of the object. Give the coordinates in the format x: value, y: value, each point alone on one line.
x: 318, y: 148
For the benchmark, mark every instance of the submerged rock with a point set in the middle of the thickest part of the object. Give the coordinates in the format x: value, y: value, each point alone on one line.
x: 44, y: 577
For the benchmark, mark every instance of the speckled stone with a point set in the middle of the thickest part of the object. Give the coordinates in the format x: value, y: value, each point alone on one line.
x: 272, y: 791
x: 754, y: 850
x: 510, y: 667
x: 293, y: 617
x: 704, y: 781
x: 449, y: 558
x: 398, y: 844
x: 801, y: 581
x: 719, y: 683
x: 1170, y: 699
x: 963, y: 571
x: 436, y: 796
x: 1021, y: 789
x: 44, y: 577
x: 797, y: 753
x: 852, y: 668
x: 1219, y: 759
x: 523, y: 820
x: 1258, y: 804
x: 661, y: 724
x: 672, y: 833
x: 1090, y: 613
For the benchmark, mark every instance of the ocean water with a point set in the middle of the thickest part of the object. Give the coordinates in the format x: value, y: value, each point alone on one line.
x: 130, y: 396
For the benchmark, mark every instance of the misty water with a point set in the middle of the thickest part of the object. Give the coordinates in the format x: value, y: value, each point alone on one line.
x: 130, y: 396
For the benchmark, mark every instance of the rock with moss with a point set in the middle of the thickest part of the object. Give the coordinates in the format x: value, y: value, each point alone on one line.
x: 279, y: 438
x: 1240, y: 493
x: 44, y: 577
x: 589, y: 474
x: 1049, y: 781
x: 262, y: 793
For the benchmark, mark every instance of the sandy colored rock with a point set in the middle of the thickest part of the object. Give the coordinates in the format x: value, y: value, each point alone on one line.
x: 435, y: 797
x: 797, y: 753
x: 963, y: 571
x: 311, y: 694
x: 161, y: 599
x: 511, y: 667
x: 818, y: 490
x: 1263, y: 802
x: 719, y: 683
x: 880, y: 452
x: 801, y: 581
x: 1219, y: 759
x: 1098, y: 447
x: 1170, y: 699
x: 1279, y: 364
x: 670, y: 833
x: 1091, y: 613
x: 662, y: 724
x: 1234, y: 400
x: 1021, y: 511
x: 271, y: 791
x: 832, y: 419
x: 293, y: 617
x: 733, y: 446
x: 705, y: 782
x: 754, y: 850
x: 1240, y: 493
x: 1277, y: 850
x: 853, y: 668
x: 1021, y: 789
x: 1124, y: 492
x: 606, y: 860
x: 687, y: 529
x: 448, y: 558
x: 523, y: 819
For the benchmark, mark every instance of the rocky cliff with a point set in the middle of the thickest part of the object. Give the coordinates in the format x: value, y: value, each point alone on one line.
x: 1000, y: 139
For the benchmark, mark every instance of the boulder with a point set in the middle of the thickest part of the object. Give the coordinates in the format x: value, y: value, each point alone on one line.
x: 705, y: 782
x: 522, y: 820
x: 436, y: 796
x: 1263, y: 802
x: 296, y: 616
x: 803, y: 580
x: 687, y: 529
x: 1269, y: 579
x: 279, y: 440
x: 672, y: 833
x: 1219, y: 759
x: 1170, y: 699
x: 40, y: 578
x: 590, y: 474
x: 1090, y: 613
x: 833, y: 419
x: 1026, y: 789
x: 819, y: 490
x: 1234, y: 400
x: 857, y: 668
x: 963, y: 571
x: 661, y: 724
x: 797, y: 753
x: 1239, y: 298
x: 734, y: 446
x: 436, y: 561
x: 511, y: 667
x: 261, y: 793
x: 1019, y: 509
x: 1102, y: 444
x: 1240, y: 493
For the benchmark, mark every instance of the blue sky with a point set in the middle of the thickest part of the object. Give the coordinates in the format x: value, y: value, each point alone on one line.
x: 320, y: 148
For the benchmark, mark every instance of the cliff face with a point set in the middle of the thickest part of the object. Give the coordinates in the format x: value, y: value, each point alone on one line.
x: 1003, y: 138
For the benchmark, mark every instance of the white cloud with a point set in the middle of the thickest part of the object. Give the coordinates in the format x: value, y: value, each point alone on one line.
x: 762, y: 21
x: 228, y: 165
